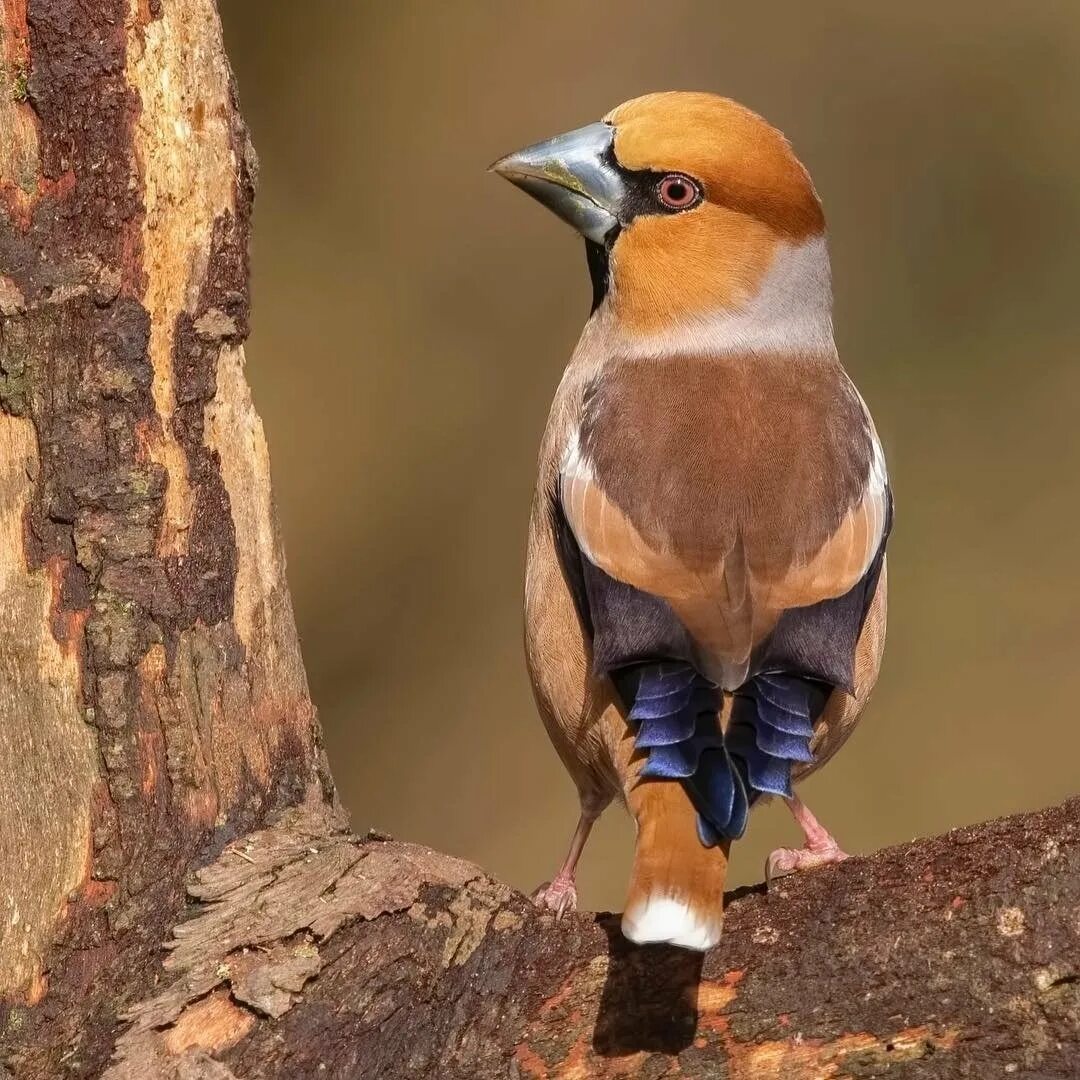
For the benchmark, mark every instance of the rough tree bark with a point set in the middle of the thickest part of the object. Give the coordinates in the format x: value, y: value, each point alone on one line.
x: 161, y: 773
x: 153, y: 703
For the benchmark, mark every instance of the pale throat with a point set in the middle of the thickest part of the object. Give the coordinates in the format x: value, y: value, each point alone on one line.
x: 791, y: 311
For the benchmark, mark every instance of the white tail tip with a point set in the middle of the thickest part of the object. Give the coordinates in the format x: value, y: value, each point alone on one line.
x: 674, y: 922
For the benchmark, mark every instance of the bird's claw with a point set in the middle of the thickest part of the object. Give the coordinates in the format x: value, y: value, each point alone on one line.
x: 558, y: 895
x: 786, y: 861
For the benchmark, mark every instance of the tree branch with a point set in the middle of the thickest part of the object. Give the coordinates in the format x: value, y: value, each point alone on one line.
x: 312, y: 952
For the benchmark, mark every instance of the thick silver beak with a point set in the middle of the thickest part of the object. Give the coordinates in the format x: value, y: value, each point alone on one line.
x: 571, y: 175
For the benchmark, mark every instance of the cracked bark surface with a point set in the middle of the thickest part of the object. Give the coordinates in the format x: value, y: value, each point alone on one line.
x: 313, y: 952
x: 181, y: 896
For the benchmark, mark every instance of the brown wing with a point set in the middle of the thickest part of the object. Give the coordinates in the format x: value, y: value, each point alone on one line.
x: 732, y: 489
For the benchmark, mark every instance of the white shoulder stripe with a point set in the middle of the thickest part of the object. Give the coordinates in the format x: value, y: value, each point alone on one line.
x: 575, y: 476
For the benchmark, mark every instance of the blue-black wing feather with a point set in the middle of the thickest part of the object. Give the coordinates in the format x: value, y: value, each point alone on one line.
x: 639, y: 642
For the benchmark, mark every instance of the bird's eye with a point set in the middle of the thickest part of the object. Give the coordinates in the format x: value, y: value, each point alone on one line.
x: 677, y: 192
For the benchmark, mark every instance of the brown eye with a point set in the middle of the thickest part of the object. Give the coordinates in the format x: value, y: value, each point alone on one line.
x: 677, y: 192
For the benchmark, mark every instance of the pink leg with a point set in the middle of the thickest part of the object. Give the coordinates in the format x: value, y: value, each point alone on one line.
x: 819, y: 848
x: 560, y: 894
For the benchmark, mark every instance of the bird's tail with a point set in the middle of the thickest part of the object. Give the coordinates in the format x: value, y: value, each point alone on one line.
x: 677, y: 883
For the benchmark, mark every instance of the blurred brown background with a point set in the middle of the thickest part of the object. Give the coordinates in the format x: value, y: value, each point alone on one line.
x: 412, y: 316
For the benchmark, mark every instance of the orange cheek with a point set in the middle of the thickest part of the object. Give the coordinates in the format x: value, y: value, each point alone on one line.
x: 678, y: 268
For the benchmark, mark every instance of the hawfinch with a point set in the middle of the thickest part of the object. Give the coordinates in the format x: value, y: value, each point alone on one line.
x: 705, y: 588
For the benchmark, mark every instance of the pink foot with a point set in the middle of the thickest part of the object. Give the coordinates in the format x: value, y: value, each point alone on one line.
x: 819, y: 848
x: 559, y: 896
x: 785, y: 861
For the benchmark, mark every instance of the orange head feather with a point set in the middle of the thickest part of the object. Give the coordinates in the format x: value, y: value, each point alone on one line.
x: 755, y: 196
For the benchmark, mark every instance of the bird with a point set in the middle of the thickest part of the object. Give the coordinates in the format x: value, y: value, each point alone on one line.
x: 705, y: 582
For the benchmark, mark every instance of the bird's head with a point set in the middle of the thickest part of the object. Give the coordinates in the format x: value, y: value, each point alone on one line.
x: 689, y: 203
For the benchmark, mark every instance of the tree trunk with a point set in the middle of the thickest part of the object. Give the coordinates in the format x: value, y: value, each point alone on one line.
x: 153, y: 703
x: 161, y: 771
